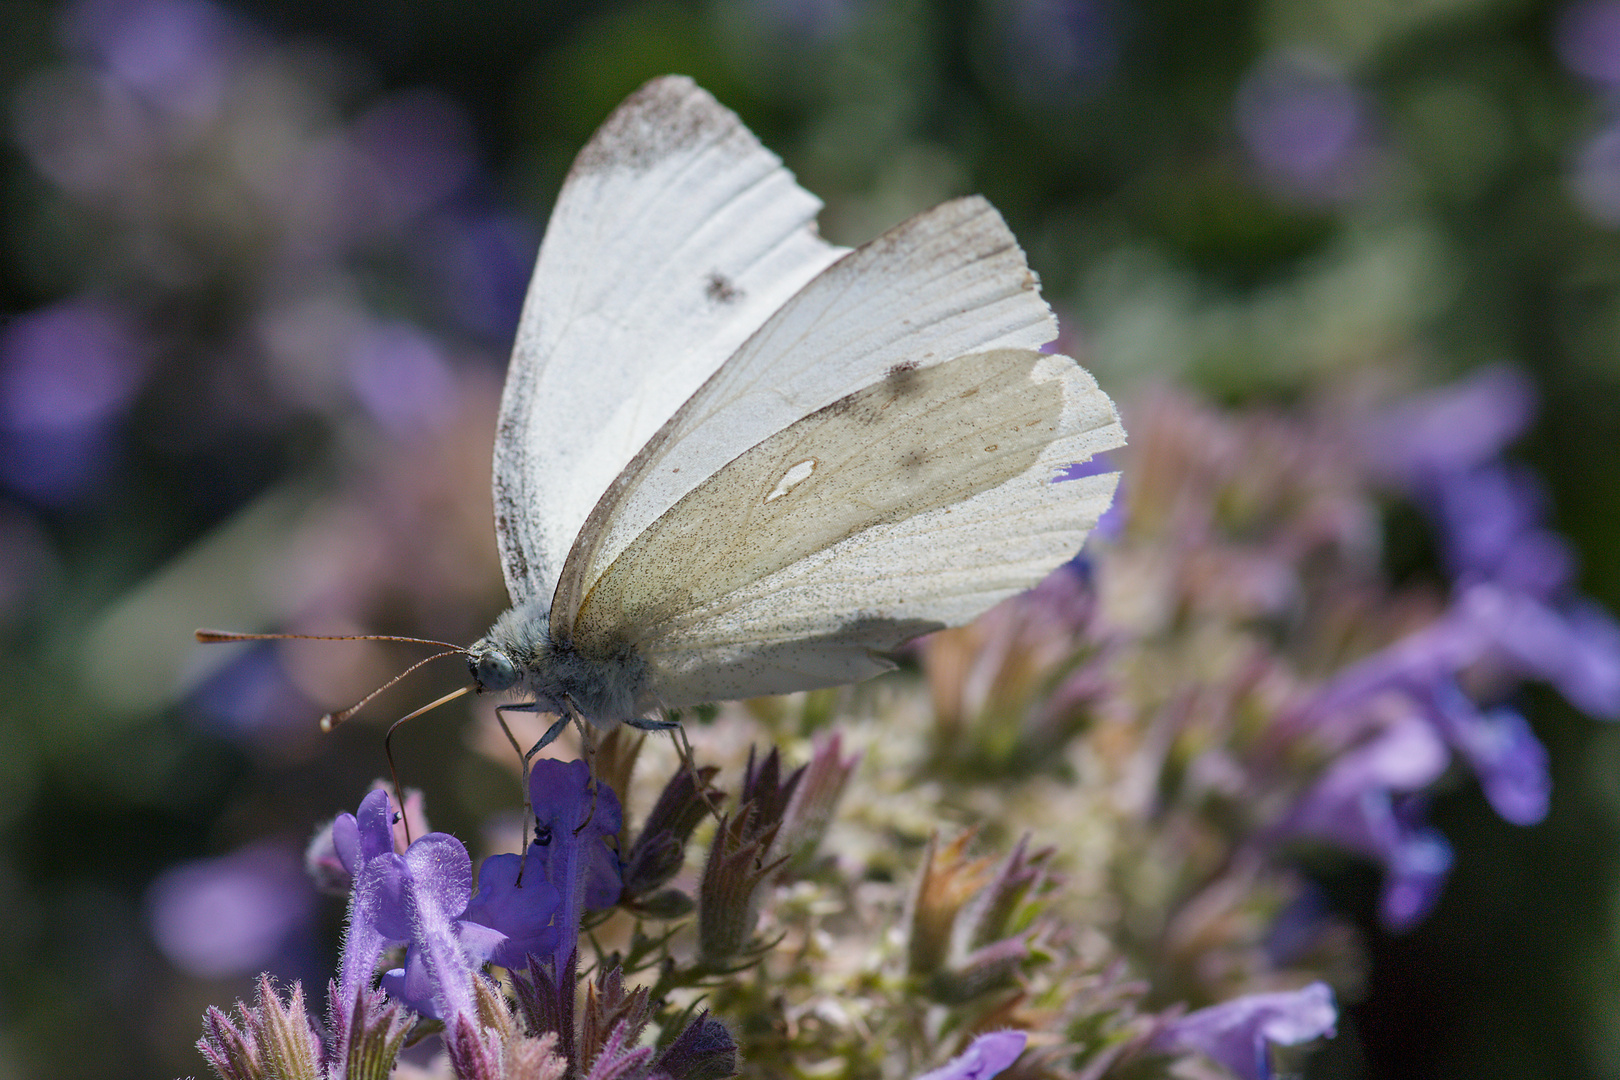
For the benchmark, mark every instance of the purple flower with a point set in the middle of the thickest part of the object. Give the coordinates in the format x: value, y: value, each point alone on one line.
x: 173, y: 53
x: 985, y: 1056
x: 419, y: 146
x: 433, y: 880
x: 1490, y: 525
x: 1362, y: 803
x: 233, y: 915
x: 522, y: 912
x: 1506, y: 756
x: 1239, y: 1033
x: 1587, y: 38
x: 574, y: 820
x: 1455, y: 428
x: 1575, y: 646
x: 479, y: 265
x: 361, y: 842
x: 401, y: 377
x: 1306, y: 127
x: 417, y: 899
x: 1595, y: 177
x: 67, y: 372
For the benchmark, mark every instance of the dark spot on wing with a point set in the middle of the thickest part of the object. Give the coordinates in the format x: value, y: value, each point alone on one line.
x: 721, y: 289
x: 913, y: 459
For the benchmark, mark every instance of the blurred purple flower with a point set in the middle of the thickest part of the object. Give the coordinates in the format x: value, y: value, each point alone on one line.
x: 1575, y: 647
x: 233, y: 915
x: 173, y: 53
x: 1094, y: 466
x: 811, y: 20
x: 252, y: 695
x: 1362, y: 803
x: 1112, y: 522
x: 1595, y: 175
x: 985, y: 1056
x: 58, y: 469
x: 1505, y: 754
x: 402, y: 378
x: 1306, y: 127
x: 68, y: 367
x: 1239, y: 1033
x: 1058, y: 49
x: 479, y: 267
x: 1490, y: 528
x: 1423, y: 438
x: 1586, y: 37
x: 419, y: 146
x: 67, y: 373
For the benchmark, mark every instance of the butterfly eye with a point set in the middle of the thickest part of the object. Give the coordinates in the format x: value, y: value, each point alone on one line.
x: 492, y: 670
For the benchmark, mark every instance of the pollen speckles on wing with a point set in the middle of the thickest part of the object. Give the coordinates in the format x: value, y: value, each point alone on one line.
x: 791, y: 479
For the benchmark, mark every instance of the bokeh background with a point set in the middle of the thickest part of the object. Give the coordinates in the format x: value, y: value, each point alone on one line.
x: 262, y: 261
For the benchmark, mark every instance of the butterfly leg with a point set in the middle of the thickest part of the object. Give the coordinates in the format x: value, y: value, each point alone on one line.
x: 587, y: 745
x: 683, y: 746
x: 551, y: 734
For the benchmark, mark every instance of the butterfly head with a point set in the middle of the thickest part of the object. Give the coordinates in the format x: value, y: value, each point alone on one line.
x: 492, y: 670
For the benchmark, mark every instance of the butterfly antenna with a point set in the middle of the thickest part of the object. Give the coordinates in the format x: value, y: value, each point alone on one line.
x: 388, y: 744
x: 216, y: 637
x: 333, y: 719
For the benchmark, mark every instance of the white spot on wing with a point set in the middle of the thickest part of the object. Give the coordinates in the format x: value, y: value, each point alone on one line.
x: 791, y: 479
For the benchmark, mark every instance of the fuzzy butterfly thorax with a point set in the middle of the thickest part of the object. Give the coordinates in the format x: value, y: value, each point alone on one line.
x: 520, y: 655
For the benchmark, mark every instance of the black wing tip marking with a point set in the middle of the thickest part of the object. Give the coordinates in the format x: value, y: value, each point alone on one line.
x: 665, y: 116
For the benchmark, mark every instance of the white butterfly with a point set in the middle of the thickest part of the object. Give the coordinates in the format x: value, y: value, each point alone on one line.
x: 735, y: 460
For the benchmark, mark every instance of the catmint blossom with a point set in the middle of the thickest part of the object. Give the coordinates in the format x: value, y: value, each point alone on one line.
x: 1240, y: 1033
x: 985, y: 1056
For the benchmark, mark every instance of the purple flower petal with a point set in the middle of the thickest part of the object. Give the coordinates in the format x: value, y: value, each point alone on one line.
x: 1239, y: 1033
x: 1355, y: 805
x: 1306, y: 127
x: 1510, y: 761
x: 1416, y: 869
x: 574, y: 818
x: 986, y: 1056
x: 1451, y: 429
x: 522, y: 913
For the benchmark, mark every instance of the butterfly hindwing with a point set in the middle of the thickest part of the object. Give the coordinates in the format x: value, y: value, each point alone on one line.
x: 913, y: 503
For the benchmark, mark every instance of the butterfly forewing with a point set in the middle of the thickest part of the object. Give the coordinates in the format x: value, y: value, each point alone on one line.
x: 947, y: 282
x: 674, y: 237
